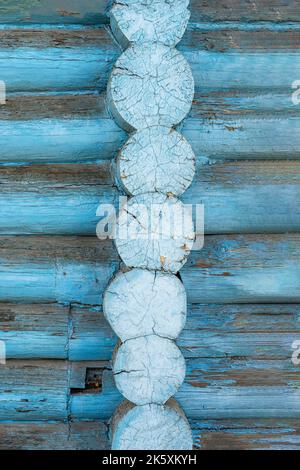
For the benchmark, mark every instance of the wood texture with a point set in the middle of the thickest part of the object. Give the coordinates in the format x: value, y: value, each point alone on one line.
x: 40, y: 331
x: 56, y: 11
x: 57, y: 142
x: 233, y: 268
x: 53, y: 436
x: 238, y: 197
x: 247, y: 434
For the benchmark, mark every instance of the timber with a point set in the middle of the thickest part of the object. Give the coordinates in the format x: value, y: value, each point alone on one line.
x: 58, y: 146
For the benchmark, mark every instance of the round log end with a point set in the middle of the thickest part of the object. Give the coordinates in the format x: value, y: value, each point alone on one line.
x: 156, y: 159
x: 150, y: 85
x: 149, y: 369
x: 150, y: 427
x: 155, y: 232
x: 141, y: 302
x: 165, y: 21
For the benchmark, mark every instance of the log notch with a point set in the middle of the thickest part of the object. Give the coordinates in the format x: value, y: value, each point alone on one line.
x: 150, y: 90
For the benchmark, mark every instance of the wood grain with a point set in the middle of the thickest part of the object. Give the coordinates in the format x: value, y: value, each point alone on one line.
x: 229, y: 269
x: 56, y: 11
x: 261, y: 332
x: 39, y: 435
x: 63, y: 199
x: 247, y: 434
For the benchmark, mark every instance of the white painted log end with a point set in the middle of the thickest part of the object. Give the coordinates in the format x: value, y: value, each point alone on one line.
x: 150, y: 85
x: 141, y: 302
x: 155, y: 232
x: 156, y: 159
x: 149, y: 369
x: 164, y: 21
x: 150, y: 427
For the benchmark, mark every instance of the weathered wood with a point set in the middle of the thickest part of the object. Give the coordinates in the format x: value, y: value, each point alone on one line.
x: 150, y: 427
x: 96, y: 11
x: 32, y: 390
x: 236, y: 197
x: 56, y: 60
x: 57, y: 269
x: 160, y: 21
x: 150, y: 85
x: 85, y: 58
x: 56, y: 11
x: 156, y: 158
x: 148, y: 369
x: 38, y: 435
x: 245, y: 393
x: 40, y: 390
x: 253, y: 123
x: 247, y: 434
x: 252, y: 268
x: 229, y: 269
x: 134, y: 301
x: 243, y: 10
x: 155, y: 232
x: 262, y: 332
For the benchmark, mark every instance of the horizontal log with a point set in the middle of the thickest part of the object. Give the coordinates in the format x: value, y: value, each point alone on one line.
x: 56, y: 11
x: 223, y: 124
x: 95, y: 11
x: 241, y: 392
x: 242, y: 388
x: 63, y: 199
x: 242, y: 10
x: 55, y: 269
x: 30, y: 59
x: 53, y: 435
x: 227, y: 37
x: 246, y: 434
x: 34, y: 391
x: 50, y: 331
x: 229, y: 269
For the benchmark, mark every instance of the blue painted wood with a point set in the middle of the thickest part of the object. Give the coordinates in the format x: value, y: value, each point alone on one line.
x: 229, y: 269
x: 63, y: 199
x: 261, y: 333
x: 56, y: 11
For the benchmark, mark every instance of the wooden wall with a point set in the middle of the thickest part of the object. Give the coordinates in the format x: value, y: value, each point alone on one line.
x: 57, y: 142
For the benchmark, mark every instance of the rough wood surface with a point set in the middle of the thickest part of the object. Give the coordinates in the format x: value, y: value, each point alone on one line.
x: 236, y: 196
x: 229, y: 269
x: 243, y: 10
x: 150, y: 85
x: 159, y: 20
x: 156, y: 159
x: 244, y: 129
x: 39, y: 435
x: 154, y: 232
x: 247, y: 434
x: 134, y: 301
x: 148, y: 369
x: 260, y: 332
x: 151, y: 427
x: 56, y: 11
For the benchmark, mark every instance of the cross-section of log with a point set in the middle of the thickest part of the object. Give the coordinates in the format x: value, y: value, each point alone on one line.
x: 149, y: 369
x: 162, y: 21
x: 150, y: 427
x: 141, y: 303
x: 150, y: 85
x: 155, y: 232
x: 156, y: 159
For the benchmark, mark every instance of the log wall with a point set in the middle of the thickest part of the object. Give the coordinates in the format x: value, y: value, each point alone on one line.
x: 57, y: 144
